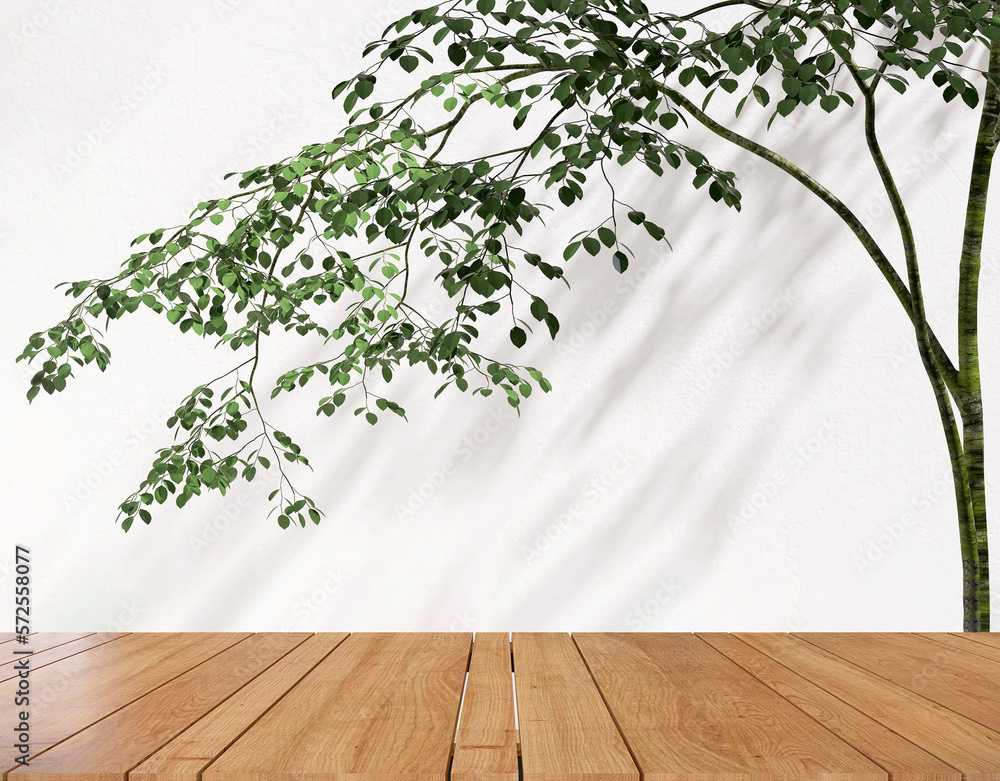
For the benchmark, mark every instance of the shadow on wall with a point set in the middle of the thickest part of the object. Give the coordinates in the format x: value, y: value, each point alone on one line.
x: 675, y: 475
x: 710, y: 272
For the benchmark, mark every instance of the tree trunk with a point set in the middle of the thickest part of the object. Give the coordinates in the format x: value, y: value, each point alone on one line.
x: 970, y: 398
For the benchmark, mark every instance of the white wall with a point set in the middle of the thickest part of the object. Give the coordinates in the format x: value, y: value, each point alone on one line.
x: 120, y: 117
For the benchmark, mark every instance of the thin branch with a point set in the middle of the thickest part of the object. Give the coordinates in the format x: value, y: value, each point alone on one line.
x: 838, y: 206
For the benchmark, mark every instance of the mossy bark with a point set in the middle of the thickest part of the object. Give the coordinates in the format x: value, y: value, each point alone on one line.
x: 965, y: 442
x: 970, y: 396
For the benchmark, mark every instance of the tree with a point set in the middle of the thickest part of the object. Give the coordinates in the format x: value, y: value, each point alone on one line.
x: 588, y: 87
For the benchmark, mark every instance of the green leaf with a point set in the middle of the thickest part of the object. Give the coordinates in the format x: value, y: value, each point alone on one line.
x: 553, y: 323
x: 620, y: 262
x: 518, y: 337
x: 791, y: 86
x: 668, y: 120
x: 653, y: 230
x: 846, y: 97
x: 786, y: 106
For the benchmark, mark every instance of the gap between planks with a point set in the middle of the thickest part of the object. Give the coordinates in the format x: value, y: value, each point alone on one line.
x: 940, y: 643
x: 462, y: 702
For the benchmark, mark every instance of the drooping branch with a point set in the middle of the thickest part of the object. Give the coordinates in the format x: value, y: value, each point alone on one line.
x: 842, y: 210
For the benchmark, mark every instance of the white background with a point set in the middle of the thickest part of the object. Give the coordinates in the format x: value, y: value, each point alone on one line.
x: 665, y: 484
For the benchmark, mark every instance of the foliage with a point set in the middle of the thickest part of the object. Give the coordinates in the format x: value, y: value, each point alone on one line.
x: 587, y: 87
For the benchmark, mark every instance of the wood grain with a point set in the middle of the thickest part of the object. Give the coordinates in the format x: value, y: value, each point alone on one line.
x: 961, y: 643
x: 143, y: 726
x: 60, y: 651
x: 956, y: 679
x: 42, y: 641
x: 689, y: 712
x: 985, y: 638
x: 904, y: 760
x: 964, y: 744
x: 78, y: 691
x: 380, y: 707
x: 184, y: 757
x: 486, y: 745
x: 567, y: 733
x: 600, y: 707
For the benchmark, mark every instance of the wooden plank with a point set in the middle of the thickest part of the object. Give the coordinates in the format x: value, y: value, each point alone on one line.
x: 8, y: 637
x: 58, y: 652
x: 184, y: 757
x: 42, y: 641
x: 486, y: 745
x: 985, y: 638
x: 964, y: 744
x: 380, y: 707
x: 962, y: 681
x: 961, y: 643
x: 904, y: 760
x: 107, y: 750
x: 688, y: 712
x: 74, y: 693
x: 567, y: 733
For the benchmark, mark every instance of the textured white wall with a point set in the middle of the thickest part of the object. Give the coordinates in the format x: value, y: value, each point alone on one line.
x: 762, y: 368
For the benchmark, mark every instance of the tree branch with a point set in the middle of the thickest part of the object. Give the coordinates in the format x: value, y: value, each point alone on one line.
x: 838, y: 206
